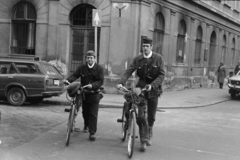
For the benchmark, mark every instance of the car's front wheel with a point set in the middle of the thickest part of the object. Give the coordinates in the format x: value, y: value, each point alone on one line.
x: 16, y: 96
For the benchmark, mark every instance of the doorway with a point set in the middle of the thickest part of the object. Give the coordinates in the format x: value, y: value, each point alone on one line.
x: 82, y: 35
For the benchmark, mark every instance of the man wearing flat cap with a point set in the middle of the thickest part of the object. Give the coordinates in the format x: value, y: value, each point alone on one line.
x: 149, y: 68
x: 91, y: 75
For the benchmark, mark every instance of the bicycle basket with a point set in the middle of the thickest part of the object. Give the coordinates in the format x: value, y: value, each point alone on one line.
x: 72, y: 89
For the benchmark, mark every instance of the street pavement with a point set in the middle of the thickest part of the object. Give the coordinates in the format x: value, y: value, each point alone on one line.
x: 188, y: 98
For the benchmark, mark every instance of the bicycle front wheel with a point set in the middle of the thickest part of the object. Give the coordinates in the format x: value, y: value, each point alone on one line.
x: 70, y: 124
x: 124, y: 125
x: 131, y: 133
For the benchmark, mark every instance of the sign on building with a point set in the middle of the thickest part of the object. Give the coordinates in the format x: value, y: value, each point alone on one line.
x: 97, y: 18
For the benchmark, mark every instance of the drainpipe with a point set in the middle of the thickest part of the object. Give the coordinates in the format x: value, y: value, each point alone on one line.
x: 52, y: 39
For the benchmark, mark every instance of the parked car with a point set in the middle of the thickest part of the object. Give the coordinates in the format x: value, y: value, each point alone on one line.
x: 234, y: 85
x: 28, y: 80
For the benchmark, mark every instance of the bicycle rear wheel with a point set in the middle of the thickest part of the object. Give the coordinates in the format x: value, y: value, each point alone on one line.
x: 70, y: 123
x: 131, y: 133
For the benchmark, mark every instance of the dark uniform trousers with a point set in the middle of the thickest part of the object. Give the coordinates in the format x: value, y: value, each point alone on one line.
x: 90, y: 111
x: 152, y: 108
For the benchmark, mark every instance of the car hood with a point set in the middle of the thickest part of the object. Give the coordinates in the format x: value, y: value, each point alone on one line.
x: 235, y: 78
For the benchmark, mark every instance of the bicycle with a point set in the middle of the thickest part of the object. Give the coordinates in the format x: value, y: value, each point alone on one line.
x: 129, y: 123
x: 76, y: 94
x: 75, y: 98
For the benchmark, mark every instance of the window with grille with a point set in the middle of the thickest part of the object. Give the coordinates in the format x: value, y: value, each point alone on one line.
x: 224, y: 49
x: 158, y: 33
x: 181, y: 42
x: 23, y: 29
x: 233, y: 52
x: 198, y: 46
x: 82, y: 15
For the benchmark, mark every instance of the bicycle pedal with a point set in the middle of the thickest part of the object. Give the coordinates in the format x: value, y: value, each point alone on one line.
x: 67, y: 110
x: 119, y: 120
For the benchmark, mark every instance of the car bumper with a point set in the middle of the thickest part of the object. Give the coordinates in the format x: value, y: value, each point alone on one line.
x: 50, y: 94
x: 234, y: 87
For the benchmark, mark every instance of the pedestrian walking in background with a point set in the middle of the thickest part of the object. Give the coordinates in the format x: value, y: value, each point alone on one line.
x: 237, y: 68
x: 92, y: 75
x: 221, y: 73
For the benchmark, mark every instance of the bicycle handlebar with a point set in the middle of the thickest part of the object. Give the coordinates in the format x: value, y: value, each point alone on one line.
x: 124, y: 89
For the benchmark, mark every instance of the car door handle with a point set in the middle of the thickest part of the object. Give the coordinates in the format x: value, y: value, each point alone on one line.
x: 40, y: 80
x: 10, y: 77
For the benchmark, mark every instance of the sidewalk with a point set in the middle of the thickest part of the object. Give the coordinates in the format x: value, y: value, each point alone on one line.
x: 189, y: 98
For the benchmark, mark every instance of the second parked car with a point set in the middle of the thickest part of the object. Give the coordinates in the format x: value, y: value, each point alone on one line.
x: 28, y: 80
x: 234, y: 85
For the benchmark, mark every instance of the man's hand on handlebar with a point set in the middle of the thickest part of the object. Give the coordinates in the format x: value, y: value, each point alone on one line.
x: 87, y: 86
x: 66, y: 82
x: 119, y: 86
x: 148, y: 87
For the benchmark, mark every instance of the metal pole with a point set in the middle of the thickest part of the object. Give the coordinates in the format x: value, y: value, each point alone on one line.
x: 95, y: 42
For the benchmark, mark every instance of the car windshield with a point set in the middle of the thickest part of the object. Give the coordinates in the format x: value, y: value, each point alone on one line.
x: 50, y: 70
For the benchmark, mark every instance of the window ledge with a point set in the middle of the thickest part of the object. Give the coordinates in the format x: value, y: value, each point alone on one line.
x: 180, y: 64
x: 22, y: 55
x: 236, y: 11
x: 226, y: 5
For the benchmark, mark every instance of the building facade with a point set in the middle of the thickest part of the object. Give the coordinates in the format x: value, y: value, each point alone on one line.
x: 193, y: 36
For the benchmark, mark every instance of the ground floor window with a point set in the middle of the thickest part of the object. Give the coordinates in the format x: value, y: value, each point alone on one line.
x: 23, y: 37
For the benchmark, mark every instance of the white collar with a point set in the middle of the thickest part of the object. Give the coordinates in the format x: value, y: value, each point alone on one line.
x: 91, y: 65
x: 148, y: 56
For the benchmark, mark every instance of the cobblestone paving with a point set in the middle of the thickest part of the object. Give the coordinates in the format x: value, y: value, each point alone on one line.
x: 21, y: 124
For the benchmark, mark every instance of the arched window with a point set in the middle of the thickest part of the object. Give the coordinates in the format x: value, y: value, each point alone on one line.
x: 23, y: 29
x: 212, y: 50
x: 181, y: 41
x: 233, y: 52
x: 158, y: 33
x: 82, y: 15
x: 224, y: 49
x: 198, y: 46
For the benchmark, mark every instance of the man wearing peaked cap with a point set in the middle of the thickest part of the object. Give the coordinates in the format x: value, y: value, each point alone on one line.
x: 149, y: 68
x: 147, y: 41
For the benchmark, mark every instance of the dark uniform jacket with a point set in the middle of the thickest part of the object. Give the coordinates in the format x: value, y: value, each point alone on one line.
x: 94, y: 76
x: 150, y: 71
